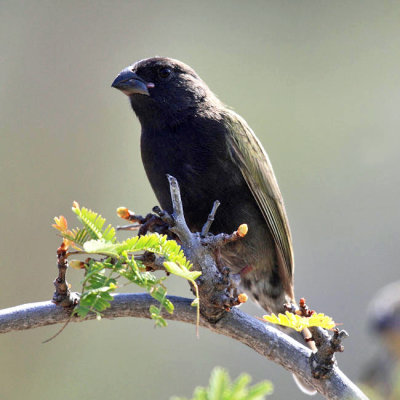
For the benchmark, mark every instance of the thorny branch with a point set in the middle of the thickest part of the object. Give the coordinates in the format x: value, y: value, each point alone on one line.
x: 218, y: 295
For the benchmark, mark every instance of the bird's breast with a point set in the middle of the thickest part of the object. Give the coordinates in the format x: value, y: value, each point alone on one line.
x: 200, y: 161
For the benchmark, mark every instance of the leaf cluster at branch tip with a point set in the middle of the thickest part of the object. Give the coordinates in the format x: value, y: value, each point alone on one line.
x: 299, y: 323
x: 110, y: 260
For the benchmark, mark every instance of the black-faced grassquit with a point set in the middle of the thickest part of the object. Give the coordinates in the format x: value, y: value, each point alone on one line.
x: 189, y: 133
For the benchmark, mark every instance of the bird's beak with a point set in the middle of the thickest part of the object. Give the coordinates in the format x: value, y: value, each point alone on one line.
x: 130, y: 83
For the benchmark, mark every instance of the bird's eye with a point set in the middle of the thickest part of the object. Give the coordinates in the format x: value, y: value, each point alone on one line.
x: 164, y: 72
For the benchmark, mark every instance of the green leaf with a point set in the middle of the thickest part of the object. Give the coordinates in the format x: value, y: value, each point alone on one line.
x: 155, y: 314
x: 100, y: 246
x: 159, y: 293
x: 201, y: 394
x: 195, y: 302
x: 100, y: 280
x: 79, y: 236
x: 219, y: 382
x: 239, y: 389
x: 259, y: 391
x: 183, y: 272
x: 158, y: 244
x: 94, y: 223
x: 221, y: 388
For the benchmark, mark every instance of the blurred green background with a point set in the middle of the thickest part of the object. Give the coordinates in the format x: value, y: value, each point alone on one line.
x: 318, y: 82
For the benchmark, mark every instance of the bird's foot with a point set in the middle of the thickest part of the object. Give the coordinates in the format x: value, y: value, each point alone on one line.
x: 153, y: 223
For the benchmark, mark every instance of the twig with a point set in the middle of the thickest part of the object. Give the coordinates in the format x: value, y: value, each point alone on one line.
x: 62, y: 295
x: 129, y: 227
x: 210, y: 219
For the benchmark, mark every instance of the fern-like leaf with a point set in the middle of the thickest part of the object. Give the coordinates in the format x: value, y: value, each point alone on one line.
x: 100, y: 278
x: 158, y: 244
x: 94, y: 223
x: 101, y: 246
x: 221, y: 388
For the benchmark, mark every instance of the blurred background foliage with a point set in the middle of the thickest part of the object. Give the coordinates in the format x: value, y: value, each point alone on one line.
x: 319, y: 84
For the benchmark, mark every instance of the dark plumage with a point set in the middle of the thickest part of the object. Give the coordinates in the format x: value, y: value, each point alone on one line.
x: 188, y: 133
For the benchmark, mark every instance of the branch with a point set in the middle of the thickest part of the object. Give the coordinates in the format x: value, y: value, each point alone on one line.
x: 265, y: 340
x: 218, y: 293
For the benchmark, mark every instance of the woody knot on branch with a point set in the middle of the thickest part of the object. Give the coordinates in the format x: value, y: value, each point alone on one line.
x: 324, y: 361
x: 217, y: 289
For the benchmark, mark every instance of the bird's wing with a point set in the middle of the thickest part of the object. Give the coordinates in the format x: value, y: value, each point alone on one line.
x: 257, y: 171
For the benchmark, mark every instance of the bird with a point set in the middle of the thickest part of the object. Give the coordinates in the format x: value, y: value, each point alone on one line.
x: 187, y: 132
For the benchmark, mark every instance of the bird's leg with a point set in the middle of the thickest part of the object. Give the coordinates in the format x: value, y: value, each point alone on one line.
x: 150, y: 223
x: 154, y: 224
x: 128, y: 215
x: 163, y: 222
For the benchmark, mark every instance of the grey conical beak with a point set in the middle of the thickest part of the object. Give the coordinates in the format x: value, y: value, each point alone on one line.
x: 130, y: 83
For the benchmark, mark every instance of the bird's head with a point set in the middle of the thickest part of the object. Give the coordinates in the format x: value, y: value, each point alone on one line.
x: 164, y: 91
